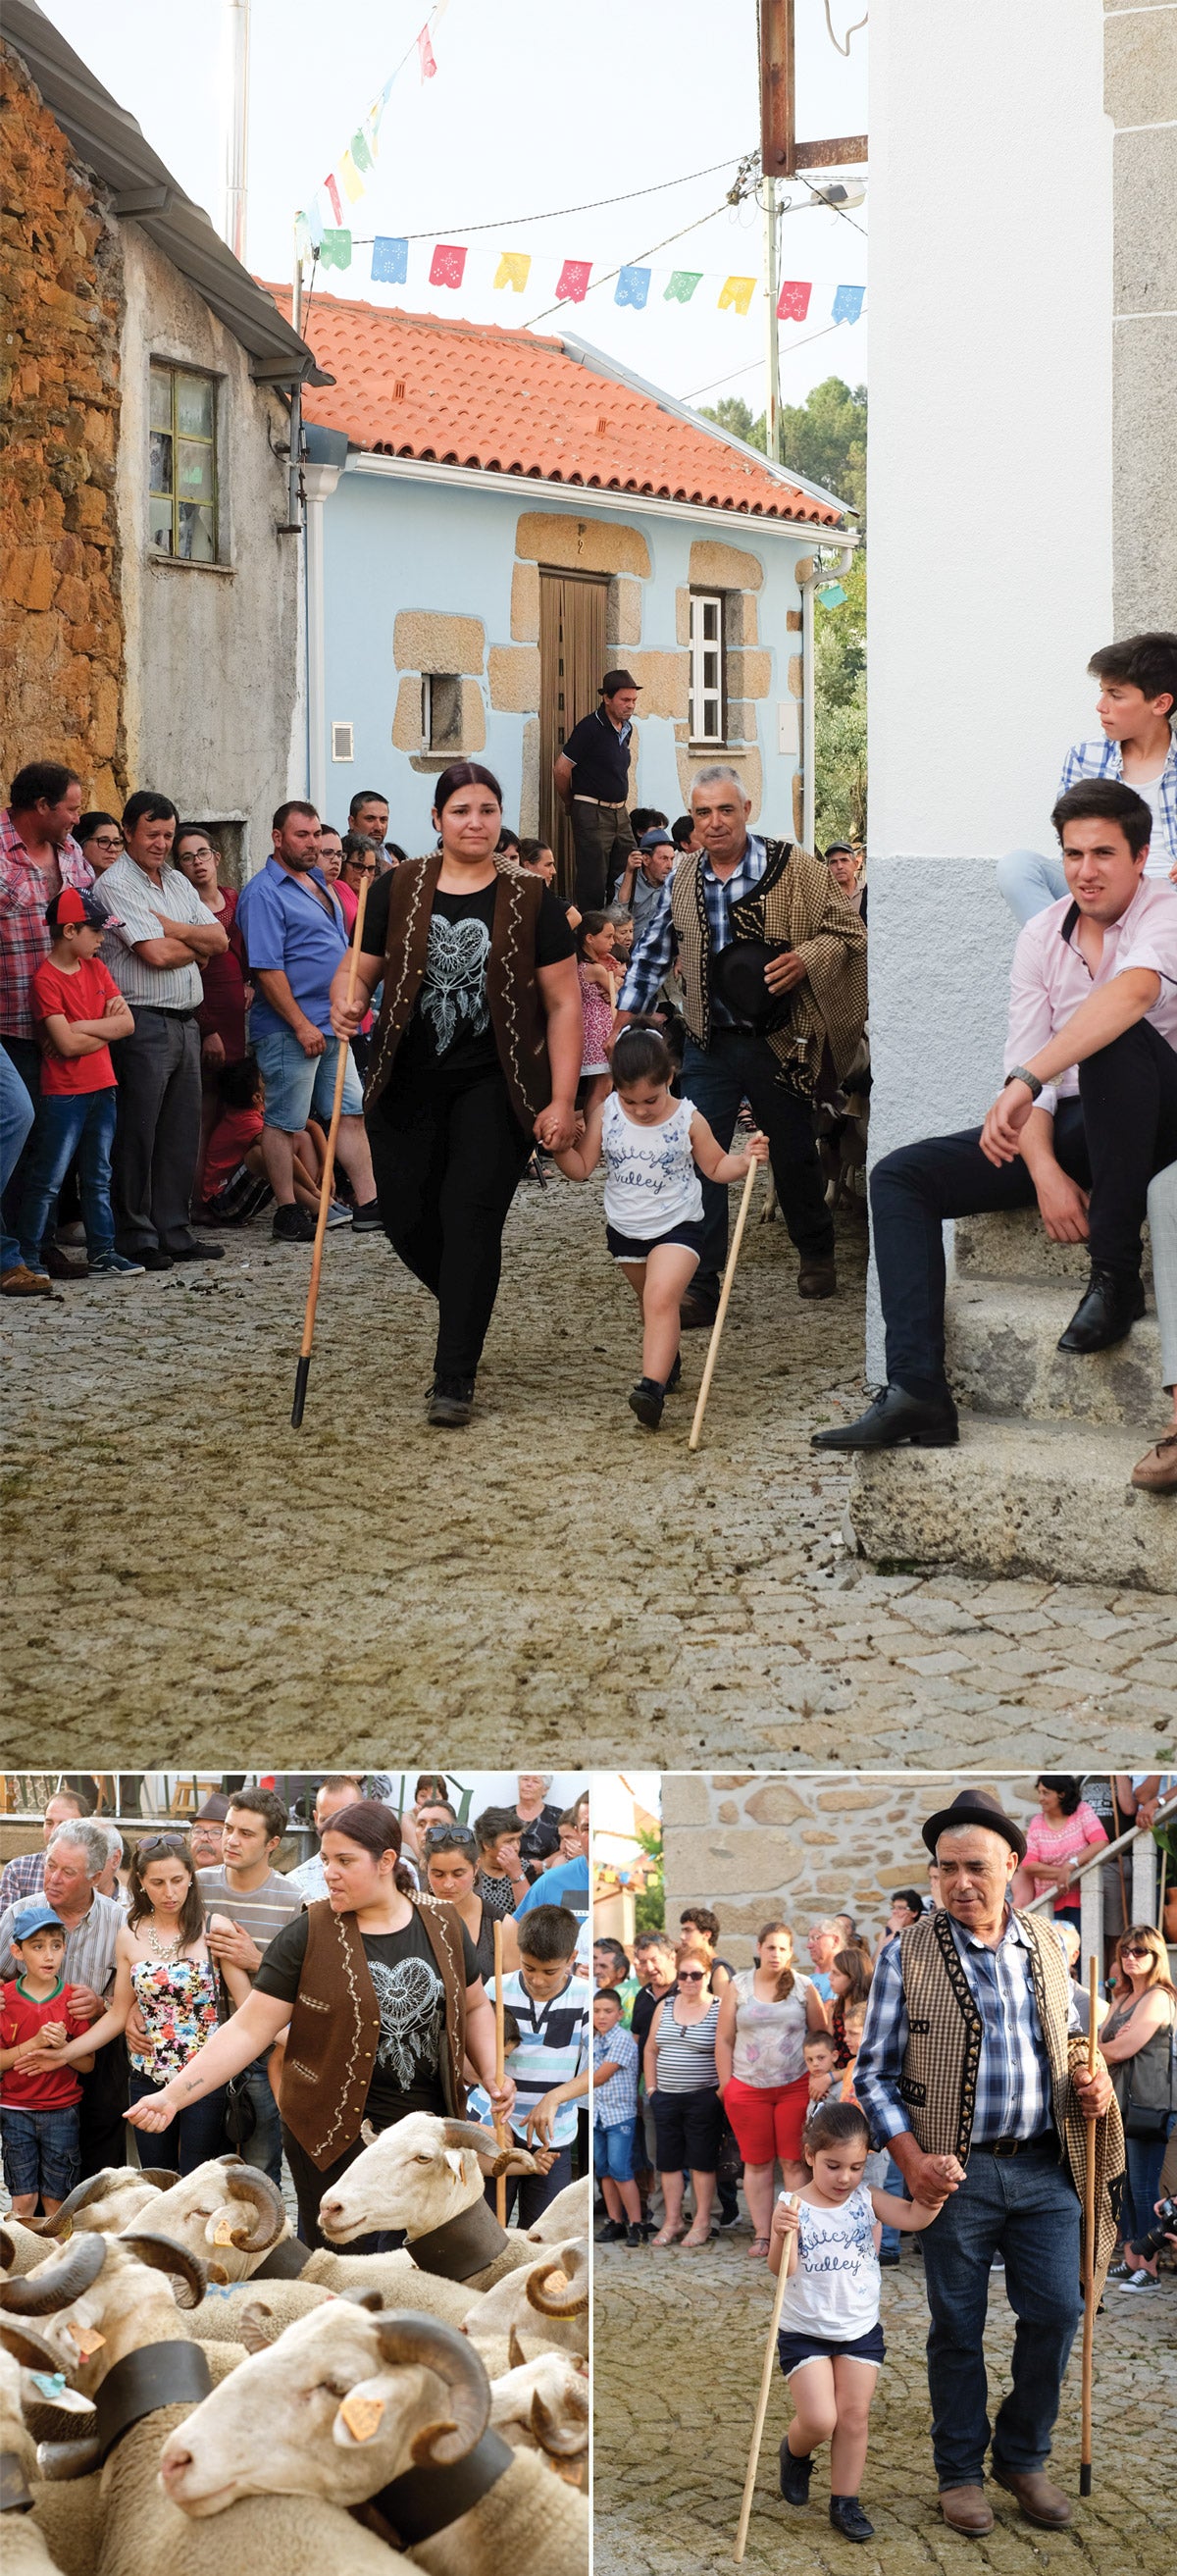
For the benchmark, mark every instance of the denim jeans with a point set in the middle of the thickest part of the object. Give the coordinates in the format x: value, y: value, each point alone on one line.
x: 1029, y: 882
x: 1144, y: 2157
x: 17, y: 1109
x: 891, y: 2240
x: 69, y: 1123
x: 736, y: 1066
x: 264, y: 2149
x: 529, y: 2194
x: 194, y: 2135
x: 1024, y: 2207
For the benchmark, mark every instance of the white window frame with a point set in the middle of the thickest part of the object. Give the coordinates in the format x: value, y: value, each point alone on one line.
x: 708, y: 685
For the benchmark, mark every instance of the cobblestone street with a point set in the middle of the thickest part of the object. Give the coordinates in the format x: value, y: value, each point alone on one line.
x: 178, y: 1559
x: 679, y: 2344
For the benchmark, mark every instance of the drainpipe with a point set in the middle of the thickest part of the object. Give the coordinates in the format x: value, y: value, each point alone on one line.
x: 319, y: 482
x: 821, y: 572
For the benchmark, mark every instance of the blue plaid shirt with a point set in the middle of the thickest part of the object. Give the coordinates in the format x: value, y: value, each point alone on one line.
x: 653, y: 954
x: 1013, y: 2079
x: 617, y: 2098
x: 1104, y: 759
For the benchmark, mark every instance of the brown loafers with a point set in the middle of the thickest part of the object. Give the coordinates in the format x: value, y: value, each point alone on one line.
x: 1040, y: 2500
x: 1156, y: 1472
x: 817, y: 1279
x: 964, y: 2509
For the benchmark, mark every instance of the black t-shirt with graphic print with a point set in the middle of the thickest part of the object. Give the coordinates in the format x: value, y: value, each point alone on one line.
x: 411, y: 1999
x: 450, y: 1027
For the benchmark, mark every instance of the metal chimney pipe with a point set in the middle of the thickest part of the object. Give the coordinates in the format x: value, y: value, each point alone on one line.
x: 237, y: 128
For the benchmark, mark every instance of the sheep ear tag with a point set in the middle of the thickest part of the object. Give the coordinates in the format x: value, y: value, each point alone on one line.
x: 223, y: 2232
x: 362, y: 2415
x: 87, y: 2339
x: 453, y: 2157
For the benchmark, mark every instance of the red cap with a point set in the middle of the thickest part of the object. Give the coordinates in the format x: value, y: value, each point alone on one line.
x: 70, y: 906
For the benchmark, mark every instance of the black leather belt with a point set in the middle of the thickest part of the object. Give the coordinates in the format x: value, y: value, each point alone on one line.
x: 14, y: 2490
x: 461, y: 2245
x: 427, y: 2500
x: 160, y: 2374
x: 1045, y: 2142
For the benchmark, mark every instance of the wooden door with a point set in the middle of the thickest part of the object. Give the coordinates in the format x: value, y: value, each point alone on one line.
x: 572, y: 663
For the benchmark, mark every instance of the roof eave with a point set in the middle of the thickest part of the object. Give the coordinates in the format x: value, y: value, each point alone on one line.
x: 593, y: 497
x: 584, y: 354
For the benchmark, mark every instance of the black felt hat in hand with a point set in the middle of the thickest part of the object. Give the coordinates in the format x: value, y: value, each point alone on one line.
x: 975, y: 1807
x: 737, y: 977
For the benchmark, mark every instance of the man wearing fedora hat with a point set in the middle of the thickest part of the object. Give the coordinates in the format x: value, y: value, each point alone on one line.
x: 972, y: 2072
x: 592, y: 783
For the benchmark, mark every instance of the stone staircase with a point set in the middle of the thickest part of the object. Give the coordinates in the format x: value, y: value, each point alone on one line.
x: 1039, y: 1482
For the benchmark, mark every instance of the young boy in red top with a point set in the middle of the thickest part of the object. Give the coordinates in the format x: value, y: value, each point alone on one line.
x: 38, y: 2103
x: 77, y: 1009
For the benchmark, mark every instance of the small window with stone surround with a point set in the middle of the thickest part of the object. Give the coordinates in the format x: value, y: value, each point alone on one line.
x: 183, y: 504
x: 441, y: 711
x: 707, y: 667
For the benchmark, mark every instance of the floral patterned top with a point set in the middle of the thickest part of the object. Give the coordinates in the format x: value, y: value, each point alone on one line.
x: 769, y: 2044
x: 177, y: 2000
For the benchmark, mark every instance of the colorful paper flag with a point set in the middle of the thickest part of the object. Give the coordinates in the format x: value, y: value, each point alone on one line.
x: 513, y: 269
x: 572, y: 282
x: 793, y: 300
x: 335, y: 250
x: 633, y: 286
x: 425, y: 55
x: 333, y: 193
x: 390, y: 259
x: 737, y: 292
x: 359, y: 149
x: 449, y: 261
x: 353, y: 185
x: 848, y: 303
x: 681, y: 285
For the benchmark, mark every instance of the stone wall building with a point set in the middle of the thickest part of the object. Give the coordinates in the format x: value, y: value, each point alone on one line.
x: 150, y: 587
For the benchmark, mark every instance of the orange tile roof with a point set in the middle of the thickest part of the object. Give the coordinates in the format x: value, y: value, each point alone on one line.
x: 514, y: 402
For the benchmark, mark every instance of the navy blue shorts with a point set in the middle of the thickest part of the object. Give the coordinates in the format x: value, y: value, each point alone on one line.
x: 796, y: 2348
x: 41, y: 2151
x: 634, y: 1247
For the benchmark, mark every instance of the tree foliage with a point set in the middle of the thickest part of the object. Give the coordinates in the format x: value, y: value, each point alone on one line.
x: 839, y: 655
x: 650, y: 1907
x: 824, y: 437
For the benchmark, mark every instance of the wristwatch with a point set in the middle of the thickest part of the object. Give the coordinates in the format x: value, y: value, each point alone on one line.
x: 1019, y: 1073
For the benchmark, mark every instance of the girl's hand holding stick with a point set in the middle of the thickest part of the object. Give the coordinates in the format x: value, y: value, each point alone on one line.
x: 786, y: 2215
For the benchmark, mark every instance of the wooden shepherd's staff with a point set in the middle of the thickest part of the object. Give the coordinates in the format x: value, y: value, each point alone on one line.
x: 500, y: 2071
x: 303, y: 1370
x: 725, y: 1293
x: 1089, y: 2242
x: 792, y: 2198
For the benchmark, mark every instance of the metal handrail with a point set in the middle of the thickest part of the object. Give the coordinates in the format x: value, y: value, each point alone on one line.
x: 1101, y: 1852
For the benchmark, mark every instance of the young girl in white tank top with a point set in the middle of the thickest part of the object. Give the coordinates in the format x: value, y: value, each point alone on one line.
x: 653, y: 1148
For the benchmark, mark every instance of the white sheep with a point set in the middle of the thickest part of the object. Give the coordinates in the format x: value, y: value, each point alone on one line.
x: 365, y: 2409
x: 569, y: 2214
x: 543, y: 2405
x: 26, y: 2551
x: 540, y: 2309
x: 20, y: 2247
x: 233, y: 2219
x: 426, y: 2175
x: 108, y: 2201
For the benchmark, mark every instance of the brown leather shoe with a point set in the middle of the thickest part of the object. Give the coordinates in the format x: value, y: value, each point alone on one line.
x: 1040, y: 2500
x: 23, y: 1282
x: 964, y: 2509
x: 817, y: 1279
x: 1156, y: 1472
x: 58, y: 1266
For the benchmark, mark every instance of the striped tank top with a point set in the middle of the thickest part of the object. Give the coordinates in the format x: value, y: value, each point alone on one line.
x: 686, y: 2051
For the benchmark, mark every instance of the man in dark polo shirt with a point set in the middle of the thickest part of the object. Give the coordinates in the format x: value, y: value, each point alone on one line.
x: 592, y: 783
x: 259, y: 1902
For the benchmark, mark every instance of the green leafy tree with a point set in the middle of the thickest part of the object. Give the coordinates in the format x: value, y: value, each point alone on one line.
x: 649, y: 1912
x: 734, y: 416
x: 825, y: 438
x: 839, y: 657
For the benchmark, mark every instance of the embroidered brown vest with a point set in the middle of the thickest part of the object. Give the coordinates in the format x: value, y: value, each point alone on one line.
x: 517, y: 1015
x: 335, y: 2028
x: 795, y: 900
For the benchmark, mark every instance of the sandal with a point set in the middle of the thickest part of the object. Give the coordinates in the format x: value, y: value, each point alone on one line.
x: 692, y: 2244
x: 665, y: 2236
x: 758, y: 2249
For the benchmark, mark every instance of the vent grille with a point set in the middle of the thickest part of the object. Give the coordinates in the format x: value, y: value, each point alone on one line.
x: 343, y: 742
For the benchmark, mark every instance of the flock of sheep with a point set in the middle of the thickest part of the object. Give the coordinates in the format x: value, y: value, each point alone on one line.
x: 184, y: 2388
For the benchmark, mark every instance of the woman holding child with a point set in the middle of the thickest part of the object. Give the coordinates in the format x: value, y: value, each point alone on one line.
x: 764, y: 2015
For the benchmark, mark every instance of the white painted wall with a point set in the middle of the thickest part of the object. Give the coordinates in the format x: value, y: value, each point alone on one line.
x: 989, y: 515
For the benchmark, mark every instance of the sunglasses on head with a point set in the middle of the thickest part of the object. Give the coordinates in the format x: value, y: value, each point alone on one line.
x: 170, y: 1843
x: 437, y: 1835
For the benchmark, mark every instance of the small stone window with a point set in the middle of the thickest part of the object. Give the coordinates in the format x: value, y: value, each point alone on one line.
x: 182, y: 520
x: 707, y: 672
x: 441, y: 711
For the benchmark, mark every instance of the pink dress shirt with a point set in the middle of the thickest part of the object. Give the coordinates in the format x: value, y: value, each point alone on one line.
x: 1051, y: 977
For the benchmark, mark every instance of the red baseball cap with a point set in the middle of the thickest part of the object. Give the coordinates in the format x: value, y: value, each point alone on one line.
x: 80, y: 906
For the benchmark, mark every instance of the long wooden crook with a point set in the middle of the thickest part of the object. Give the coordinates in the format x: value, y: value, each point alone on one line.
x: 762, y: 2403
x: 303, y: 1370
x: 1088, y: 2245
x: 725, y: 1293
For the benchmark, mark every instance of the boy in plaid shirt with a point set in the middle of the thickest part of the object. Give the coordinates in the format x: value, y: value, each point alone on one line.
x: 615, y: 2102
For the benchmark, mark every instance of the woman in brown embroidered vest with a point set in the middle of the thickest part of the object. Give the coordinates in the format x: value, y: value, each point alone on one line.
x: 477, y: 1054
x: 383, y: 1997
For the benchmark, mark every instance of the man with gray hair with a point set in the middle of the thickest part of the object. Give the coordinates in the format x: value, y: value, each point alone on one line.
x: 773, y: 964
x: 78, y: 1853
x: 24, y: 1875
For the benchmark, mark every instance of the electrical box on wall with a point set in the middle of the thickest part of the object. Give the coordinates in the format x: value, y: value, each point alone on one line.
x: 343, y: 742
x: 787, y: 738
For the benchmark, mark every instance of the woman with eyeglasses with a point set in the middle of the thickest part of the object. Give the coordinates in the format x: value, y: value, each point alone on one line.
x: 163, y: 1966
x: 1139, y: 2042
x: 100, y: 839
x: 682, y: 2084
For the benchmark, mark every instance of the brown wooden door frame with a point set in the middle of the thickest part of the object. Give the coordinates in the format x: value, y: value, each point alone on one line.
x: 573, y: 656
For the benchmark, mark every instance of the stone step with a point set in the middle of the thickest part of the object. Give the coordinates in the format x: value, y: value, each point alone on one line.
x: 1015, y: 1247
x: 1021, y: 1498
x: 1002, y: 1358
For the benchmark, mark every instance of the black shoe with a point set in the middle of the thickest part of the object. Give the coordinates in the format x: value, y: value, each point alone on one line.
x: 57, y: 1264
x: 197, y: 1251
x: 633, y: 2236
x: 367, y: 1219
x: 729, y: 2213
x: 795, y: 2475
x: 610, y: 2233
x: 895, y: 1416
x: 451, y: 1403
x: 817, y: 1279
x: 292, y: 1225
x: 847, y: 2516
x: 674, y: 1380
x: 886, y: 2259
x: 696, y: 1314
x: 153, y: 1257
x: 646, y: 1399
x: 1106, y: 1314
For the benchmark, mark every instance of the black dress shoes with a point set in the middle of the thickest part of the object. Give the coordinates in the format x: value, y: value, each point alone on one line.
x: 1106, y: 1314
x: 895, y: 1416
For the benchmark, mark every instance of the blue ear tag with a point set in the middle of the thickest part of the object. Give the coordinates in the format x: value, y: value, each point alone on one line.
x: 50, y: 2382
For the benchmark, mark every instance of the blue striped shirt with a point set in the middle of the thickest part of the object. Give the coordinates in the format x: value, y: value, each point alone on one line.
x: 653, y: 954
x: 617, y: 2098
x: 1013, y: 2077
x: 1104, y: 759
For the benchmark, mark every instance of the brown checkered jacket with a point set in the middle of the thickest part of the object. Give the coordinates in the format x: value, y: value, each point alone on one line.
x: 795, y: 900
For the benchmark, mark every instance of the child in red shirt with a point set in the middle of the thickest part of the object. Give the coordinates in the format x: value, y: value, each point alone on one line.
x: 77, y: 1009
x: 38, y: 2101
x: 235, y: 1184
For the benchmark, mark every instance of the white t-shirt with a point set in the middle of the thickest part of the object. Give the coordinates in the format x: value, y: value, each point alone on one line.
x: 1160, y: 859
x: 650, y: 1179
x: 834, y: 2292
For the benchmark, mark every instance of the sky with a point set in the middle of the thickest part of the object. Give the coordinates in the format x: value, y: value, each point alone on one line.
x: 535, y: 106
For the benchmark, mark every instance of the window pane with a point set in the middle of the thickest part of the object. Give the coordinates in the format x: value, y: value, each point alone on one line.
x: 197, y: 543
x: 160, y: 524
x: 711, y: 619
x: 161, y: 398
x: 194, y: 406
x: 196, y: 471
x: 161, y: 461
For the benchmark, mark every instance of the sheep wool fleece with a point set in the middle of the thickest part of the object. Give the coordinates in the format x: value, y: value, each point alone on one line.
x: 335, y: 2028
x: 145, y: 2534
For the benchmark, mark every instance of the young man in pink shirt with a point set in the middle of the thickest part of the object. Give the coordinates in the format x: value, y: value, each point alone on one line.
x: 1087, y: 1115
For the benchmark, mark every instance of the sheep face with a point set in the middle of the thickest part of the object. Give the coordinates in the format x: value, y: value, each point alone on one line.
x: 408, y: 2176
x: 226, y: 2214
x: 545, y: 2302
x: 543, y: 2405
x: 95, y: 2300
x: 343, y: 2402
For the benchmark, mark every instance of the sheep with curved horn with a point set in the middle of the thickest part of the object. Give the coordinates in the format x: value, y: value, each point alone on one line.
x: 234, y: 2221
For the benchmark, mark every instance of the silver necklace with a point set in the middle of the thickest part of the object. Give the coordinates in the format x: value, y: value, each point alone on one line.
x: 162, y: 1949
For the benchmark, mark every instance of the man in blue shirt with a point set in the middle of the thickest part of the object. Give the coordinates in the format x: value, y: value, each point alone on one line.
x: 569, y: 1883
x: 294, y: 937
x: 592, y: 783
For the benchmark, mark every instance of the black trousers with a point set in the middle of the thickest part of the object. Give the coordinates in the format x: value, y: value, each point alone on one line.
x: 448, y: 1154
x: 102, y: 2108
x: 1121, y: 1130
x: 312, y: 2182
x: 602, y: 836
x: 738, y: 1064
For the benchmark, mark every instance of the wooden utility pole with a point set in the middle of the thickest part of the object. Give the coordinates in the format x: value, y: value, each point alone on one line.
x: 781, y: 155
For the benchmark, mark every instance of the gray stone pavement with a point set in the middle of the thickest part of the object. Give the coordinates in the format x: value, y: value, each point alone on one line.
x: 679, y: 2341
x: 186, y: 1571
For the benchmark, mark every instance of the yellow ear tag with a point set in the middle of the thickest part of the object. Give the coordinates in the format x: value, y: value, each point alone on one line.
x: 87, y: 2339
x: 223, y: 2232
x: 363, y: 2416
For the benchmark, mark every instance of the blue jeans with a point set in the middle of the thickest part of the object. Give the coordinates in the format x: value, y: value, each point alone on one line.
x: 69, y: 1123
x: 264, y: 2150
x: 16, y: 1117
x: 737, y: 1066
x: 41, y: 2151
x: 193, y: 2136
x: 891, y: 2240
x: 1029, y: 882
x: 1026, y: 2208
x: 1144, y: 2156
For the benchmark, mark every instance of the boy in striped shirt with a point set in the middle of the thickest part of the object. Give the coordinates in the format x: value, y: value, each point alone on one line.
x: 550, y: 2066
